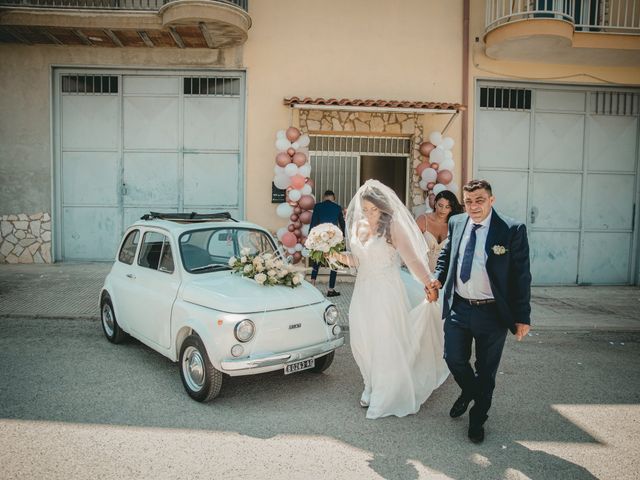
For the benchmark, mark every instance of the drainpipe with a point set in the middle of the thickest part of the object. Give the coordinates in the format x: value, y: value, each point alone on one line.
x: 464, y: 144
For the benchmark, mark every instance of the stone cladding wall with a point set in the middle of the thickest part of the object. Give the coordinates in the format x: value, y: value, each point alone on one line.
x: 25, y: 238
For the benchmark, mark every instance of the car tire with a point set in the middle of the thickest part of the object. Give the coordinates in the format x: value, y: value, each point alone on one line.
x: 322, y: 363
x: 201, y: 380
x: 109, y: 323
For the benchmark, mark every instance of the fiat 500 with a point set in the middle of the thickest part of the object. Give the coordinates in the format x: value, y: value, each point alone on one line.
x: 172, y: 288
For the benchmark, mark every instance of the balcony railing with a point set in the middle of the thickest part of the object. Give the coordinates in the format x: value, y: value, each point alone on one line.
x: 605, y: 16
x: 107, y: 4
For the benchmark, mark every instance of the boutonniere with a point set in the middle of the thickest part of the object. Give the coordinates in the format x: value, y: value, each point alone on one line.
x: 499, y: 250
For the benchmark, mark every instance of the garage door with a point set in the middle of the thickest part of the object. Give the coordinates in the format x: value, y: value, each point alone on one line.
x: 564, y: 160
x: 131, y: 142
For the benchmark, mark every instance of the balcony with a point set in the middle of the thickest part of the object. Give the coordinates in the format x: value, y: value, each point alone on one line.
x: 587, y: 32
x: 126, y: 23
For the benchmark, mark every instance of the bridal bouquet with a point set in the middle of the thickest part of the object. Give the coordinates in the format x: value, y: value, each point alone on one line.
x: 266, y: 269
x: 322, y: 241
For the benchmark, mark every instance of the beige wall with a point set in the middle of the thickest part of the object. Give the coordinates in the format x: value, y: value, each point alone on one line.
x: 343, y: 49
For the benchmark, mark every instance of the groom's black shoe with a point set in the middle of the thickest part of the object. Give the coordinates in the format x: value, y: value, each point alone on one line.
x: 459, y: 407
x: 476, y: 433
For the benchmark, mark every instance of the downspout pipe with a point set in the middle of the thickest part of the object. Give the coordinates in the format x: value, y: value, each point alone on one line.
x: 464, y: 140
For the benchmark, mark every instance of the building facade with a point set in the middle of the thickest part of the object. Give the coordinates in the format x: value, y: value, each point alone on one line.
x: 115, y: 108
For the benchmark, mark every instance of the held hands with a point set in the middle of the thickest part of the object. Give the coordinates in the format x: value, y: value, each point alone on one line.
x: 521, y: 330
x: 431, y: 290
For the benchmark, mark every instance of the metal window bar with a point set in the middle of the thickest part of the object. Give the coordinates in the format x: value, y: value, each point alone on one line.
x: 212, y: 86
x: 110, y: 4
x: 615, y: 103
x: 89, y: 84
x: 503, y: 98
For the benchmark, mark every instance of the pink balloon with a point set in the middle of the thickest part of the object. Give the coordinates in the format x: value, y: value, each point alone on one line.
x: 430, y: 185
x: 435, y: 165
x: 425, y: 148
x: 297, y: 233
x: 311, y: 183
x: 290, y: 227
x: 432, y: 200
x: 297, y: 224
x: 293, y: 217
x: 289, y: 240
x: 297, y: 210
x: 305, y: 217
x: 299, y: 158
x: 421, y: 167
x: 291, y: 151
x: 306, y: 202
x: 445, y: 177
x: 297, y: 181
x: 292, y: 134
x: 282, y: 159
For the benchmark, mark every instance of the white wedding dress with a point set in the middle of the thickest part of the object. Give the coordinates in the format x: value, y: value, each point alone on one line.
x: 399, y: 350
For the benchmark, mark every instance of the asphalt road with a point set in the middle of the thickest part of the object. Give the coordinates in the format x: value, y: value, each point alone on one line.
x: 72, y: 405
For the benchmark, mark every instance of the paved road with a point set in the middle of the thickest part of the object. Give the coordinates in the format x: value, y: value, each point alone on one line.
x: 74, y: 406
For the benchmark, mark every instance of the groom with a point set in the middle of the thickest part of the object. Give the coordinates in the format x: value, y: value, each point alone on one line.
x: 484, y: 268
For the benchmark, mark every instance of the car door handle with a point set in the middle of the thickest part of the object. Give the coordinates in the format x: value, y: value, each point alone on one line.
x: 130, y: 275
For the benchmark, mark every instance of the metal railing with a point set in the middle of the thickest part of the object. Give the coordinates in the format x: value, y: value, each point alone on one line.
x: 108, y: 4
x: 607, y: 16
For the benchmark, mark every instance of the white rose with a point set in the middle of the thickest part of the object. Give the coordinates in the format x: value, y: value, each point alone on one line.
x: 267, y: 256
x: 232, y: 261
x: 324, y: 236
x: 247, y: 268
x: 272, y: 273
x: 260, y: 278
x: 259, y: 268
x: 297, y: 278
x: 243, y: 259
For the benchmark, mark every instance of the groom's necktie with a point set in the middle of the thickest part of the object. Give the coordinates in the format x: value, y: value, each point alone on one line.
x: 467, y: 259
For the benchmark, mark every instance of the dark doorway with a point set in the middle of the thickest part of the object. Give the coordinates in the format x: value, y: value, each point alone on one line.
x: 392, y: 171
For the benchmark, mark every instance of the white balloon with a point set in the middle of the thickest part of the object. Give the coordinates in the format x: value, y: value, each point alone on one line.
x: 423, y: 184
x: 437, y: 155
x: 305, y: 253
x: 446, y: 164
x: 284, y: 210
x: 278, y: 170
x: 283, y: 144
x: 291, y: 169
x: 298, y: 247
x: 448, y: 154
x: 306, y: 190
x: 439, y: 188
x: 453, y: 187
x: 295, y: 145
x: 429, y: 175
x: 282, y: 181
x: 291, y: 250
x: 281, y: 231
x: 305, y: 170
x: 305, y: 230
x: 281, y: 134
x: 435, y: 138
x: 447, y: 143
x: 304, y: 140
x: 294, y: 195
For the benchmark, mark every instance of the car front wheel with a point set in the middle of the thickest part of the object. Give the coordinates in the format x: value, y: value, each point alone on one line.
x: 200, y: 379
x: 110, y: 326
x: 322, y: 363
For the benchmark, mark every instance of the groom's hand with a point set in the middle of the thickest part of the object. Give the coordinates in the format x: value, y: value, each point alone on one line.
x: 435, y: 284
x: 431, y: 294
x: 521, y: 330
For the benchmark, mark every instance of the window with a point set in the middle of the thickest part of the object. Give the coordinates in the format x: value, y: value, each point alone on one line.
x: 216, y: 86
x: 129, y: 247
x: 155, y: 246
x: 503, y: 98
x: 90, y: 84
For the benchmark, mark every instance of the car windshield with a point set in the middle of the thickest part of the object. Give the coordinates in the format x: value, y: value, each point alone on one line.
x: 210, y: 250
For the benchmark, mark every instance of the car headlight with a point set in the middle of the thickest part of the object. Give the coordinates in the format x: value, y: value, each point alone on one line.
x: 244, y: 330
x: 331, y: 315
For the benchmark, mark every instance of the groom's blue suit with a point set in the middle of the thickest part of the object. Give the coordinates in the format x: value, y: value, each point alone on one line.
x: 506, y: 262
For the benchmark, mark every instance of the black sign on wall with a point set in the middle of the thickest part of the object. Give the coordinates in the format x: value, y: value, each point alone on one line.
x: 277, y: 194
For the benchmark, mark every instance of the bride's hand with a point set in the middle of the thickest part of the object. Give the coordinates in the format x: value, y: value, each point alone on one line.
x: 431, y: 294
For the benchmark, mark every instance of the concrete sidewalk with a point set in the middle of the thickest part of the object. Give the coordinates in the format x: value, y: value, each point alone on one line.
x: 70, y: 290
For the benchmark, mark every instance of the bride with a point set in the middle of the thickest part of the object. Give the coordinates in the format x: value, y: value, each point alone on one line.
x: 398, y: 349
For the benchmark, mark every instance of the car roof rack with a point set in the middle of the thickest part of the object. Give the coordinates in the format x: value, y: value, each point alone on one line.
x: 192, y: 217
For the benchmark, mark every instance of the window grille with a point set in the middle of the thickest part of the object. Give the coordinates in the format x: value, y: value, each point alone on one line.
x: 335, y: 161
x: 615, y: 103
x: 503, y: 98
x: 90, y: 84
x: 212, y: 86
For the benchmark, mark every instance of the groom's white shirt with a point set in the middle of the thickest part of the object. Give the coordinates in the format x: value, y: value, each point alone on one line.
x: 478, y: 286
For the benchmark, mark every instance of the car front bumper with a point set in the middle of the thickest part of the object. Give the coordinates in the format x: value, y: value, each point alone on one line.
x: 251, y: 365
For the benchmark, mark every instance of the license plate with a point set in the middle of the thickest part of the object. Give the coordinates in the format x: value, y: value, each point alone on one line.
x: 299, y: 366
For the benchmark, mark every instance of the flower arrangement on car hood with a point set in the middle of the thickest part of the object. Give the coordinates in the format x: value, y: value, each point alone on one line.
x: 324, y: 240
x: 266, y: 269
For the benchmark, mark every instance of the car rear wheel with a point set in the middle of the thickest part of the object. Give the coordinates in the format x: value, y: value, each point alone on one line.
x: 200, y: 379
x: 110, y: 326
x: 322, y: 363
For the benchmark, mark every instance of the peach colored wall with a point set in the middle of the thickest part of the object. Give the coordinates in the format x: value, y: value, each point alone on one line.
x: 344, y: 49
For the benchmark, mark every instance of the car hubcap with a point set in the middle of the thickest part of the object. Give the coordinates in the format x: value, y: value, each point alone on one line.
x: 107, y: 319
x: 193, y: 368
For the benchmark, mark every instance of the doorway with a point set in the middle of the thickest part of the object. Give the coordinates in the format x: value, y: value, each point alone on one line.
x: 391, y: 171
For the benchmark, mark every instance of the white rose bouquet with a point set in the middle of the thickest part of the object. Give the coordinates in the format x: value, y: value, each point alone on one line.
x: 322, y: 241
x: 266, y: 269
